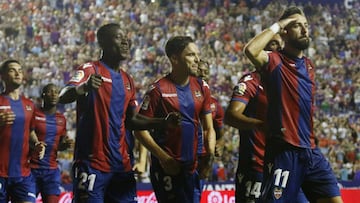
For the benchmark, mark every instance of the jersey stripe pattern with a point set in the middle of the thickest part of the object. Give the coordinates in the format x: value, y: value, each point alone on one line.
x: 191, y: 101
x: 101, y: 114
x: 14, y: 138
x: 291, y: 97
x: 49, y: 128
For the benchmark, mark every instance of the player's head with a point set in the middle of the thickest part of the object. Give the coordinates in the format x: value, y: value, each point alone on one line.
x: 113, y: 41
x: 183, y: 53
x: 204, y: 70
x: 296, y: 34
x: 50, y: 94
x: 11, y: 73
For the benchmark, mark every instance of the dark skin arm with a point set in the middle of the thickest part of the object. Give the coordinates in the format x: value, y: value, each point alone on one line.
x: 234, y: 117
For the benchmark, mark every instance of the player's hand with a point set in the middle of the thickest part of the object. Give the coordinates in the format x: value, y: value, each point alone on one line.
x: 39, y: 149
x: 66, y: 143
x: 285, y: 22
x: 219, y: 148
x: 205, y: 166
x: 94, y: 82
x: 173, y: 119
x: 7, y: 118
x: 139, y: 167
x: 170, y: 165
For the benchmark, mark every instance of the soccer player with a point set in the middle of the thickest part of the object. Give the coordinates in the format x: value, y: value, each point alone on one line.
x: 50, y: 127
x: 106, y: 104
x: 217, y: 114
x: 292, y: 160
x: 16, y: 137
x: 247, y: 112
x: 174, y: 150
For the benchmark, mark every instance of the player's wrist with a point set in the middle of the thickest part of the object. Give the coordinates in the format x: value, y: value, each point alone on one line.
x: 275, y: 28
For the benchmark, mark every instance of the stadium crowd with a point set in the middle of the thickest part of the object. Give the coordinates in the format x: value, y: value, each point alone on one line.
x: 52, y: 37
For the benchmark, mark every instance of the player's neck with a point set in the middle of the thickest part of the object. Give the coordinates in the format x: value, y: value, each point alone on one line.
x: 179, y: 79
x: 49, y: 109
x: 113, y: 64
x: 13, y: 94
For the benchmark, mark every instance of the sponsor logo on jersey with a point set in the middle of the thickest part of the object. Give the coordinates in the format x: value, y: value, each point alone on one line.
x: 169, y: 95
x: 40, y: 118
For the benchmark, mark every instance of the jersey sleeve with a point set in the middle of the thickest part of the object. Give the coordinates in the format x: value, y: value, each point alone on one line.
x: 245, y: 89
x: 82, y: 74
x: 207, y: 98
x: 219, y: 116
x: 150, y: 102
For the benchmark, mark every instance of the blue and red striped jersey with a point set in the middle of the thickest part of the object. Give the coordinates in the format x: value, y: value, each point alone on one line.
x: 191, y: 101
x: 291, y: 89
x: 14, y: 138
x: 101, y: 114
x: 49, y: 128
x: 252, y: 142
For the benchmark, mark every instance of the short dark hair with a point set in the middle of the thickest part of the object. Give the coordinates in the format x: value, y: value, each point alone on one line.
x: 5, y: 65
x: 177, y: 44
x: 291, y: 11
x: 105, y: 30
x: 46, y: 88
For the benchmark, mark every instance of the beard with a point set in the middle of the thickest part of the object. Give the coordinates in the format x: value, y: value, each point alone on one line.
x: 300, y: 44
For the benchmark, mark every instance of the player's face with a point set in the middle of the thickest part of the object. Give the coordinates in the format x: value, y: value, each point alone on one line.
x: 190, y: 58
x: 118, y: 44
x: 298, y: 33
x: 51, y: 95
x: 204, y: 72
x: 14, y: 76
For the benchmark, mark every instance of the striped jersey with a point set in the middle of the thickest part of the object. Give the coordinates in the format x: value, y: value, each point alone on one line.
x: 191, y: 100
x: 101, y: 114
x: 14, y: 138
x: 49, y: 128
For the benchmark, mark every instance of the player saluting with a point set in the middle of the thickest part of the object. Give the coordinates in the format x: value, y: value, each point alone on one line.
x: 292, y: 160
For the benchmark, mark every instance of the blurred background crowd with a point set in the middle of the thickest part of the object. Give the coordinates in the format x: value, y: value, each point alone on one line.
x: 52, y: 37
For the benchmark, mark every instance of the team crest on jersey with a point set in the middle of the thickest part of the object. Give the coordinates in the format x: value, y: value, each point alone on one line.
x: 28, y: 108
x: 277, y: 192
x: 197, y: 93
x: 240, y: 89
x: 145, y: 103
x: 127, y: 86
x: 213, y: 106
x: 79, y: 74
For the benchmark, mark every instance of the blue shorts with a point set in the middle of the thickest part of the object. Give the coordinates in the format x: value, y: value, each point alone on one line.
x: 180, y: 188
x: 287, y: 169
x: 248, y: 185
x: 19, y: 189
x: 48, y: 181
x: 93, y: 186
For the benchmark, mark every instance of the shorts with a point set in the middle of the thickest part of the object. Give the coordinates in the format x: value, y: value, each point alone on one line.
x: 181, y: 188
x: 17, y: 188
x: 91, y: 185
x: 48, y: 181
x: 248, y: 185
x: 288, y: 168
